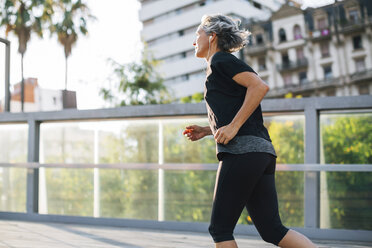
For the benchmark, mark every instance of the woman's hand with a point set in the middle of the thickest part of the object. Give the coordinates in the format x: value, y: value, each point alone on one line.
x: 225, y: 134
x: 196, y: 132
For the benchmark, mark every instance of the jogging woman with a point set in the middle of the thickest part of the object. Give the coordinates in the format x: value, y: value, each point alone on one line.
x: 246, y: 172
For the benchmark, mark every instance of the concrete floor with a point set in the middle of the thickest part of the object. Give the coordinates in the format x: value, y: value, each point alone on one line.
x: 17, y: 234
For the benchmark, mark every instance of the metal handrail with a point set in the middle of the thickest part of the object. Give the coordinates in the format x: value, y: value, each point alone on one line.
x: 186, y: 110
x: 189, y: 166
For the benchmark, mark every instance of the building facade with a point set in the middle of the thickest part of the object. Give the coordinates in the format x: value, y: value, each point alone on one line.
x: 325, y: 51
x: 39, y: 99
x: 169, y: 30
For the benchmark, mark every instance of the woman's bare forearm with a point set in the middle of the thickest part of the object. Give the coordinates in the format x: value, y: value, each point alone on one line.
x: 253, y: 97
x: 207, y: 130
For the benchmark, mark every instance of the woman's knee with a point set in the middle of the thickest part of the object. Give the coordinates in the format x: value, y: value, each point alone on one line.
x: 273, y: 234
x: 220, y: 234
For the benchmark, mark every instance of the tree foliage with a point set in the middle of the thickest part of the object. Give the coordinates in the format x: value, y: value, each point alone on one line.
x: 348, y: 140
x: 24, y: 18
x: 71, y: 21
x: 195, y: 98
x: 136, y: 83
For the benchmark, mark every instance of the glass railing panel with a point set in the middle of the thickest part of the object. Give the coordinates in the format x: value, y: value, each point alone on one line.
x: 189, y: 195
x: 13, y: 189
x: 346, y: 202
x: 131, y: 194
x: 13, y: 149
x: 13, y: 143
x: 128, y: 141
x: 117, y: 193
x: 178, y: 149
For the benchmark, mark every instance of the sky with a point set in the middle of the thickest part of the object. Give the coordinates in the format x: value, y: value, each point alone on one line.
x: 115, y: 34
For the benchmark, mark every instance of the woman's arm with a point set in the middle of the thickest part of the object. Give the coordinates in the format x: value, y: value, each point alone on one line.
x: 196, y: 132
x: 256, y: 90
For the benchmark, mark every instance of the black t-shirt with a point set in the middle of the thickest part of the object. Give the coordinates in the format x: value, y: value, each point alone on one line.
x: 224, y: 96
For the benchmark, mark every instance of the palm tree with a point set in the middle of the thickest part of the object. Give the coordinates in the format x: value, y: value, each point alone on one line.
x: 74, y: 16
x: 19, y: 17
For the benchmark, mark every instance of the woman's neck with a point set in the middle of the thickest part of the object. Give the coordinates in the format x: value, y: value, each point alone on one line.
x: 210, y: 55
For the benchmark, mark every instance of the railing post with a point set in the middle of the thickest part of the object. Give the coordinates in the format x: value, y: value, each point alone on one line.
x: 311, y: 187
x: 161, y: 174
x: 96, y: 179
x: 7, y: 74
x: 33, y: 174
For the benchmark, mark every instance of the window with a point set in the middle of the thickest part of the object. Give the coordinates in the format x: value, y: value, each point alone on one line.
x: 282, y: 36
x: 322, y: 24
x: 181, y: 33
x: 173, y: 57
x: 360, y: 65
x: 261, y: 64
x: 259, y: 39
x: 364, y: 90
x: 183, y: 54
x: 185, y: 77
x: 287, y: 80
x: 300, y: 54
x: 285, y: 58
x: 327, y: 72
x: 190, y: 30
x: 353, y: 16
x: 265, y: 79
x: 250, y: 40
x: 331, y: 92
x: 303, y: 77
x: 357, y: 42
x: 190, y: 53
x: 205, y: 2
x: 147, y: 22
x: 324, y: 49
x: 257, y: 5
x: 297, y: 32
x: 144, y: 2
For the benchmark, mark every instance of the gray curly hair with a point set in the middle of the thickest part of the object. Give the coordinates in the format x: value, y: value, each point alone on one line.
x: 230, y: 38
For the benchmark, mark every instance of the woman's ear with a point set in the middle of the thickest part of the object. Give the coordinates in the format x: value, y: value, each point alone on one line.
x: 212, y: 36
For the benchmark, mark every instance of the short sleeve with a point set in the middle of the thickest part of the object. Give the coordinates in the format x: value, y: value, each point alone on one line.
x: 230, y: 66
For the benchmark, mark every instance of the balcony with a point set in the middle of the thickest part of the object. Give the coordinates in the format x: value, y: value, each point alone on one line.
x: 180, y: 67
x: 192, y: 18
x: 256, y: 50
x: 305, y: 86
x: 320, y: 35
x: 131, y: 167
x: 352, y: 26
x: 293, y: 65
x: 361, y: 76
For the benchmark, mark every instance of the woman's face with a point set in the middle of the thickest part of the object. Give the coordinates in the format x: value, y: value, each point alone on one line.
x: 201, y: 43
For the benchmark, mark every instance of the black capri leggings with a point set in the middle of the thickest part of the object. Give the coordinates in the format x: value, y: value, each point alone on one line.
x: 246, y: 180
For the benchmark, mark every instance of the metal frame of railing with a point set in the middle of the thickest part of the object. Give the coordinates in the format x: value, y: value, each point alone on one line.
x: 310, y: 107
x: 7, y: 74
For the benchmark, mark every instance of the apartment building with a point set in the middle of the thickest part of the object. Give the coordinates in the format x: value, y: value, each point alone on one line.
x: 169, y: 30
x: 325, y: 51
